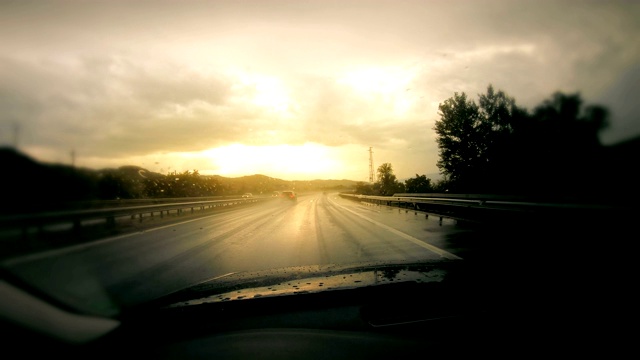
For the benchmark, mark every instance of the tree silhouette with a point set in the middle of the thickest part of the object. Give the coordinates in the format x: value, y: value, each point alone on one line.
x: 363, y: 188
x: 570, y: 146
x: 387, y: 183
x: 498, y: 147
x: 419, y: 184
x: 461, y: 142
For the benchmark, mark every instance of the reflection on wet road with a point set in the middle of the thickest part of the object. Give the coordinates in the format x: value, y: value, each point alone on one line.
x: 318, y: 229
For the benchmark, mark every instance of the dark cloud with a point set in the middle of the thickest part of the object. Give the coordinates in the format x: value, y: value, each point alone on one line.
x: 116, y: 79
x: 117, y: 107
x: 621, y: 98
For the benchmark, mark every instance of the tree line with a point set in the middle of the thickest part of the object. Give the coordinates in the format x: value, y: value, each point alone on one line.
x: 495, y: 146
x: 39, y: 186
x: 388, y: 184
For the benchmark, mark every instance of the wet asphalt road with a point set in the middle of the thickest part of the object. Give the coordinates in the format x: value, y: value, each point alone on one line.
x: 567, y: 275
x: 318, y: 229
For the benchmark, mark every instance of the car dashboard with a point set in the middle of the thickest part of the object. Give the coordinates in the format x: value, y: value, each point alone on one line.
x: 398, y: 313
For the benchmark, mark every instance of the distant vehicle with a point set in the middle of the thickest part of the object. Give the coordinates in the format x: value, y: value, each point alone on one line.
x: 247, y: 195
x: 289, y: 195
x: 275, y: 194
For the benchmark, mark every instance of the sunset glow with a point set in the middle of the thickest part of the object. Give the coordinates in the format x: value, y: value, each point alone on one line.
x: 307, y: 161
x: 292, y: 89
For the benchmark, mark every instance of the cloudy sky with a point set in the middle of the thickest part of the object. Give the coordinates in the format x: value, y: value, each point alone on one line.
x: 293, y: 89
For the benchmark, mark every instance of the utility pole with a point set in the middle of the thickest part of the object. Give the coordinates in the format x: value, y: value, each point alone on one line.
x: 372, y: 174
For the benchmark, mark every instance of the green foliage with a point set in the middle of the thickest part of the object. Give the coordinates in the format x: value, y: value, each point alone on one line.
x: 460, y: 139
x: 387, y: 183
x: 497, y: 147
x: 419, y: 184
x: 39, y: 186
x: 473, y: 139
x: 441, y: 186
x: 364, y: 189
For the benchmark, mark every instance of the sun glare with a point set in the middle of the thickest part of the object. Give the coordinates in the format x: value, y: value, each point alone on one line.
x: 378, y: 80
x: 391, y: 85
x: 266, y: 91
x: 283, y: 161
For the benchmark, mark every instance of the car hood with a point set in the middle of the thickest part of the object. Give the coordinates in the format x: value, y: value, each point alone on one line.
x: 292, y: 281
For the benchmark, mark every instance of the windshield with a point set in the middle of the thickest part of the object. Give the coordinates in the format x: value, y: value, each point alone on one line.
x: 149, y: 146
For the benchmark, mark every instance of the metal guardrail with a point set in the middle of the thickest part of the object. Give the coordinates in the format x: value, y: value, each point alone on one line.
x: 598, y: 199
x: 34, y: 206
x: 77, y: 217
x: 485, y: 207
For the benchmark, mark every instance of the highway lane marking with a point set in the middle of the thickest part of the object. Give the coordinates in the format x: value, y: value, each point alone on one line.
x: 74, y: 248
x: 437, y: 250
x: 79, y: 247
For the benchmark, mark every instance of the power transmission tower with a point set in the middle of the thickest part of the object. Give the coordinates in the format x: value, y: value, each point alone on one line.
x: 372, y: 174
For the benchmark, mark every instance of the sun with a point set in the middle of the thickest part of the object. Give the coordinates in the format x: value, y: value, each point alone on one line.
x: 285, y: 161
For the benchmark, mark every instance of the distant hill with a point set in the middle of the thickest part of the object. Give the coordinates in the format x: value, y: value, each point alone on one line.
x: 32, y: 184
x: 262, y: 184
x: 26, y: 181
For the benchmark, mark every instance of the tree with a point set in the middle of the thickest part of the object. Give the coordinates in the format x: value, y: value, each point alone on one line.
x: 441, y: 186
x: 364, y: 188
x: 498, y: 147
x: 460, y: 140
x: 570, y: 145
x: 387, y: 182
x: 419, y: 184
x: 501, y: 119
x: 476, y: 141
